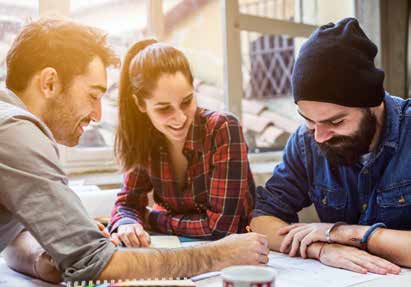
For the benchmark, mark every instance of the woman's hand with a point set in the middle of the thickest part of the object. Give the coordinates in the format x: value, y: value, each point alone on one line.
x: 132, y: 235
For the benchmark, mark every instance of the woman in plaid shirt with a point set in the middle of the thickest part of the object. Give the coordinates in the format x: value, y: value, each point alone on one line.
x: 194, y: 160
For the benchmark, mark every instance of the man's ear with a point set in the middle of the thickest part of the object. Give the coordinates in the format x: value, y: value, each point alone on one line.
x: 50, y: 84
x: 141, y: 107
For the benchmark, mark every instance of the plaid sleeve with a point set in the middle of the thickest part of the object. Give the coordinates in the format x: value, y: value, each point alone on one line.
x: 132, y: 199
x: 228, y: 188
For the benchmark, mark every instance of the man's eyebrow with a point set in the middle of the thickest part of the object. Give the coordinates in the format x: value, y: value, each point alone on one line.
x: 101, y: 88
x: 188, y: 96
x: 330, y: 119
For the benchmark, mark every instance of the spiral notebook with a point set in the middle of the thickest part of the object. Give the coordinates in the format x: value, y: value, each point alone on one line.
x: 132, y: 283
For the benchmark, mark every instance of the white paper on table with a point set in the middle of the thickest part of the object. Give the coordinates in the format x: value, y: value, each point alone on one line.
x: 297, y: 272
x: 312, y: 273
x: 164, y: 241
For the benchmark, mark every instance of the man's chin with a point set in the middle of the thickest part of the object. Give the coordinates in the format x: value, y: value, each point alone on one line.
x: 346, y: 158
x: 68, y: 142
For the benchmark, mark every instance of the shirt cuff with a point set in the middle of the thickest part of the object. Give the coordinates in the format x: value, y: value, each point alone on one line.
x: 123, y: 221
x: 91, y: 265
x: 159, y: 221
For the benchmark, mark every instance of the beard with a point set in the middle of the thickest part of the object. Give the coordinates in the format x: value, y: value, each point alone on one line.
x: 347, y: 150
x: 61, y: 120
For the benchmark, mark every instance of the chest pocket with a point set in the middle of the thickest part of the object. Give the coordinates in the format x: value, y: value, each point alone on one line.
x: 330, y: 203
x: 394, y: 205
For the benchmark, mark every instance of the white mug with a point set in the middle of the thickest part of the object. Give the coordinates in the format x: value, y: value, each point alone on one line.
x: 248, y: 276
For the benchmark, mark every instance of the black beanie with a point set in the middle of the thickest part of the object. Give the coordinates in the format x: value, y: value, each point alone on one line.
x: 336, y: 65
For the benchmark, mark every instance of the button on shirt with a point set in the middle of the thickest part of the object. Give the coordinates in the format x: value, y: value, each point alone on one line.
x: 378, y: 189
x: 218, y: 195
x: 34, y: 195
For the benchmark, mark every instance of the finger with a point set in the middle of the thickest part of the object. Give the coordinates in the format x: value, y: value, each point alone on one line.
x: 349, y: 265
x: 263, y: 241
x: 103, y: 229
x: 284, y: 247
x: 100, y: 226
x: 285, y: 244
x: 261, y: 238
x: 263, y: 259
x: 262, y: 250
x: 143, y: 237
x: 304, y: 245
x: 105, y: 233
x: 133, y: 238
x: 124, y: 238
x: 285, y: 229
x: 384, y: 264
x: 115, y: 239
x: 366, y: 263
x: 295, y: 245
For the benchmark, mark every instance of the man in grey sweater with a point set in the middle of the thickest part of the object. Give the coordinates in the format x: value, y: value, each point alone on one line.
x: 56, y: 77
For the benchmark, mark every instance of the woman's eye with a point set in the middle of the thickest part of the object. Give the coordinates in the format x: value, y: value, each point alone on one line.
x: 165, y: 109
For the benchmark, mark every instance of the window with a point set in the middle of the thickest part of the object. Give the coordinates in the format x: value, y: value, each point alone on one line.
x: 271, y: 33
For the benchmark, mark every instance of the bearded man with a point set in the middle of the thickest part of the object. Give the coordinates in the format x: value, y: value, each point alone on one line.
x: 351, y: 159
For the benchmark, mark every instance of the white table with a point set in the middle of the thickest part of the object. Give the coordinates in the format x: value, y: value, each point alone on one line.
x: 10, y: 278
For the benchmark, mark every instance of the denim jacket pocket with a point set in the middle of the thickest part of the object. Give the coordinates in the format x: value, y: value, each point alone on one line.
x: 394, y: 205
x: 330, y: 202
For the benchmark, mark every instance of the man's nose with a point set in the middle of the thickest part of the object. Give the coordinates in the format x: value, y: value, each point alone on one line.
x: 96, y: 114
x: 322, y: 133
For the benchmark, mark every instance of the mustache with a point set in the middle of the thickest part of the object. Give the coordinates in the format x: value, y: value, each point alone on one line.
x: 334, y: 141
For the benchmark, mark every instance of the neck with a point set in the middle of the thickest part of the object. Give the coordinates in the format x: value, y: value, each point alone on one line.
x: 175, y: 146
x: 33, y: 102
x: 380, y: 116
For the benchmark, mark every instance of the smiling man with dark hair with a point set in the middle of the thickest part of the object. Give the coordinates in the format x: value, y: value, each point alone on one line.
x: 351, y: 160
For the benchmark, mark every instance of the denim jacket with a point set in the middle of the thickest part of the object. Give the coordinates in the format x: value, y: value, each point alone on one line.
x: 378, y: 190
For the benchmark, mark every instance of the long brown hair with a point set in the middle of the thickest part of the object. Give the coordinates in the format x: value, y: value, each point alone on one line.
x: 143, y: 65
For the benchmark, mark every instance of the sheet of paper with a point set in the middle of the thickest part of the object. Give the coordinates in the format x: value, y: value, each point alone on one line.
x: 311, y: 273
x: 164, y: 241
x: 297, y: 272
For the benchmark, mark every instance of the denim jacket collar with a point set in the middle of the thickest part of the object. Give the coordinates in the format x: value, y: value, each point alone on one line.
x: 393, y: 115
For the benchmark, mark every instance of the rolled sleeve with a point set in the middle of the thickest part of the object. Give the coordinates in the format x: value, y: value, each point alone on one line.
x: 34, y: 189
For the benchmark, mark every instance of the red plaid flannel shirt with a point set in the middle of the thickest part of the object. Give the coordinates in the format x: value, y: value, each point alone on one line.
x: 219, y: 192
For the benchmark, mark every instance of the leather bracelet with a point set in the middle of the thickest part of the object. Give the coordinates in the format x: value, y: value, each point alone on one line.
x: 328, y: 231
x: 370, y: 231
x: 321, y: 250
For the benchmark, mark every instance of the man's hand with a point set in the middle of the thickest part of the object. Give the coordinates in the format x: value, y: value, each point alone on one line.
x: 244, y: 249
x: 132, y: 235
x: 299, y: 236
x: 354, y: 259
